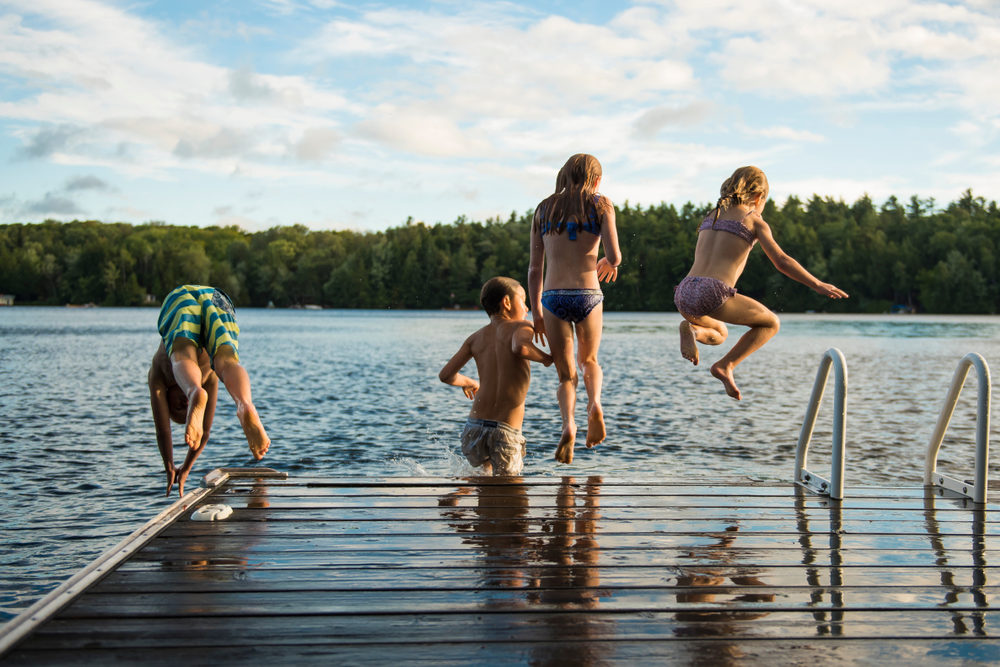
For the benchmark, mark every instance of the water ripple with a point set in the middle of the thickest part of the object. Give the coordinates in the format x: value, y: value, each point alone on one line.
x: 357, y: 393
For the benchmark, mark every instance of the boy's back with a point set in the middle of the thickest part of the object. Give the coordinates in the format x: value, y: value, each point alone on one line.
x: 504, y: 376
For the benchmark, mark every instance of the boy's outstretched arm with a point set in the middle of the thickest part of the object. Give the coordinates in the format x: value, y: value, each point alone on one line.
x: 161, y: 422
x: 791, y: 268
x: 522, y: 345
x: 450, y: 373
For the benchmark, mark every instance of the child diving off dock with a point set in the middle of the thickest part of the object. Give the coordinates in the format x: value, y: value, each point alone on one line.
x: 199, y: 334
x: 707, y: 297
x: 502, y: 350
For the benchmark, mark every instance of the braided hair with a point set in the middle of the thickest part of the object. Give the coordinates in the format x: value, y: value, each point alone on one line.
x: 745, y: 185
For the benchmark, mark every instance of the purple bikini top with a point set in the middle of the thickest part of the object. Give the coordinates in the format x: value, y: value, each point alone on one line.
x: 732, y: 226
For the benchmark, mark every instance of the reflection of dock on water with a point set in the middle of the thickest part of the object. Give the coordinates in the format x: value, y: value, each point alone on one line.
x: 533, y: 570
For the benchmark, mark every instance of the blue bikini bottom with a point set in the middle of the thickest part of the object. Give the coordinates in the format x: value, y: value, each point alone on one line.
x: 571, y: 305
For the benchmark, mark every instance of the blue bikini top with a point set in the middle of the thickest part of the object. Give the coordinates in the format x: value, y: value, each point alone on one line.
x: 591, y: 224
x: 732, y: 226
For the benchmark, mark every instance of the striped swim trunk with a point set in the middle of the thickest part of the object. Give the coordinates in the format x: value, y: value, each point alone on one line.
x: 203, y: 315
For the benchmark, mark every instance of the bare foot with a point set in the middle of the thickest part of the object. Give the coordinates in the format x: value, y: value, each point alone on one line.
x: 171, y: 479
x: 689, y: 347
x: 194, y: 426
x: 726, y: 376
x: 254, y: 430
x: 564, y: 452
x: 595, y: 426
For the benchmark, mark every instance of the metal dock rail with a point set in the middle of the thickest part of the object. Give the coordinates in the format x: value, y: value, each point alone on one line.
x: 581, y: 571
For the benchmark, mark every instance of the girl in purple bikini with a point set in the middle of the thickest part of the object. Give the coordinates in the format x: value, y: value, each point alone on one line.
x: 707, y: 297
x: 568, y: 228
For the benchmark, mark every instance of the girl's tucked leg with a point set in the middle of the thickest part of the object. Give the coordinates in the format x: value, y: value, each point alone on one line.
x: 704, y: 330
x: 764, y: 324
x: 560, y: 335
x: 588, y: 334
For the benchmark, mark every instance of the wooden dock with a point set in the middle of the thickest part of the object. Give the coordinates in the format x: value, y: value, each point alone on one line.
x: 574, y: 571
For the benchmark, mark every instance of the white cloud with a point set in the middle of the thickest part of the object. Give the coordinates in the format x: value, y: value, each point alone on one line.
x: 474, y: 106
x: 105, y: 78
x: 652, y: 121
x: 421, y: 132
x: 316, y: 143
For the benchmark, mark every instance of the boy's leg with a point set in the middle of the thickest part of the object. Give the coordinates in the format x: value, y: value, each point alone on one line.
x: 187, y: 373
x: 703, y: 330
x: 237, y: 382
x: 588, y: 337
x: 764, y: 324
x: 560, y: 335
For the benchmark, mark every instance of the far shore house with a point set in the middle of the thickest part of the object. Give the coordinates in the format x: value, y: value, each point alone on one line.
x: 6, y: 299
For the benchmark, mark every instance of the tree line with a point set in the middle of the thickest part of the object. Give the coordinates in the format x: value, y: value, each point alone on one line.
x: 936, y: 260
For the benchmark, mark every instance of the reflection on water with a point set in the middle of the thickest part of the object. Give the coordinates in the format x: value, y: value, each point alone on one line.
x: 964, y: 623
x: 541, y: 550
x: 827, y: 623
x: 356, y: 392
x: 199, y: 564
x: 711, y: 599
x: 553, y: 568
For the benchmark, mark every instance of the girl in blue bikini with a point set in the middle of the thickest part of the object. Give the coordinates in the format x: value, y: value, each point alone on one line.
x: 567, y: 230
x: 707, y: 297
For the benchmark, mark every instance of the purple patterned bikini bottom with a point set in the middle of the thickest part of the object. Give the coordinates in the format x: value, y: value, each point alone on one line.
x: 698, y: 296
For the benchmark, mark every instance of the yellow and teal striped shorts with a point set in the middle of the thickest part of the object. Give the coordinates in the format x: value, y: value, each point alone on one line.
x: 204, y: 315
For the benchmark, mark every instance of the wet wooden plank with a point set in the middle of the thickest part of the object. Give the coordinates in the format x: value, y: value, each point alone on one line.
x: 813, y: 529
x: 684, y: 599
x: 513, y: 626
x: 615, y: 496
x: 484, y: 576
x: 407, y: 485
x: 664, y: 650
x: 548, y: 570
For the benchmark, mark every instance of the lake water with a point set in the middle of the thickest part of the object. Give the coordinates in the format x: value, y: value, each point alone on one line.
x: 356, y: 393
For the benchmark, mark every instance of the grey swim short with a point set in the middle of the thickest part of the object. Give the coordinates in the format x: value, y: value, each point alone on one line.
x: 486, y: 440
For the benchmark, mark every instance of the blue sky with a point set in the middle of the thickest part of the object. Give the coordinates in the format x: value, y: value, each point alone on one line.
x: 356, y: 115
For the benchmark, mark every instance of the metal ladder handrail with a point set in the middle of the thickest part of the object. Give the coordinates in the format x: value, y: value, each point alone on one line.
x: 934, y: 478
x: 834, y: 487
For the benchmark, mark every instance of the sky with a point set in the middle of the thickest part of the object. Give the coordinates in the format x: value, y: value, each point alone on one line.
x: 359, y: 115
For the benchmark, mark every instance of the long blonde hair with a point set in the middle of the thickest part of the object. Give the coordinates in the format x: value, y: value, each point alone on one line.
x: 576, y: 185
x: 742, y: 187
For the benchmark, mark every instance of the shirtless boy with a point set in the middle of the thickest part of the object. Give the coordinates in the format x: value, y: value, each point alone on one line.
x: 502, y: 351
x: 199, y: 334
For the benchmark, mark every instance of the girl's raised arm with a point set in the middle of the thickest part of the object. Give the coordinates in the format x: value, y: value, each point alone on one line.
x: 788, y: 266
